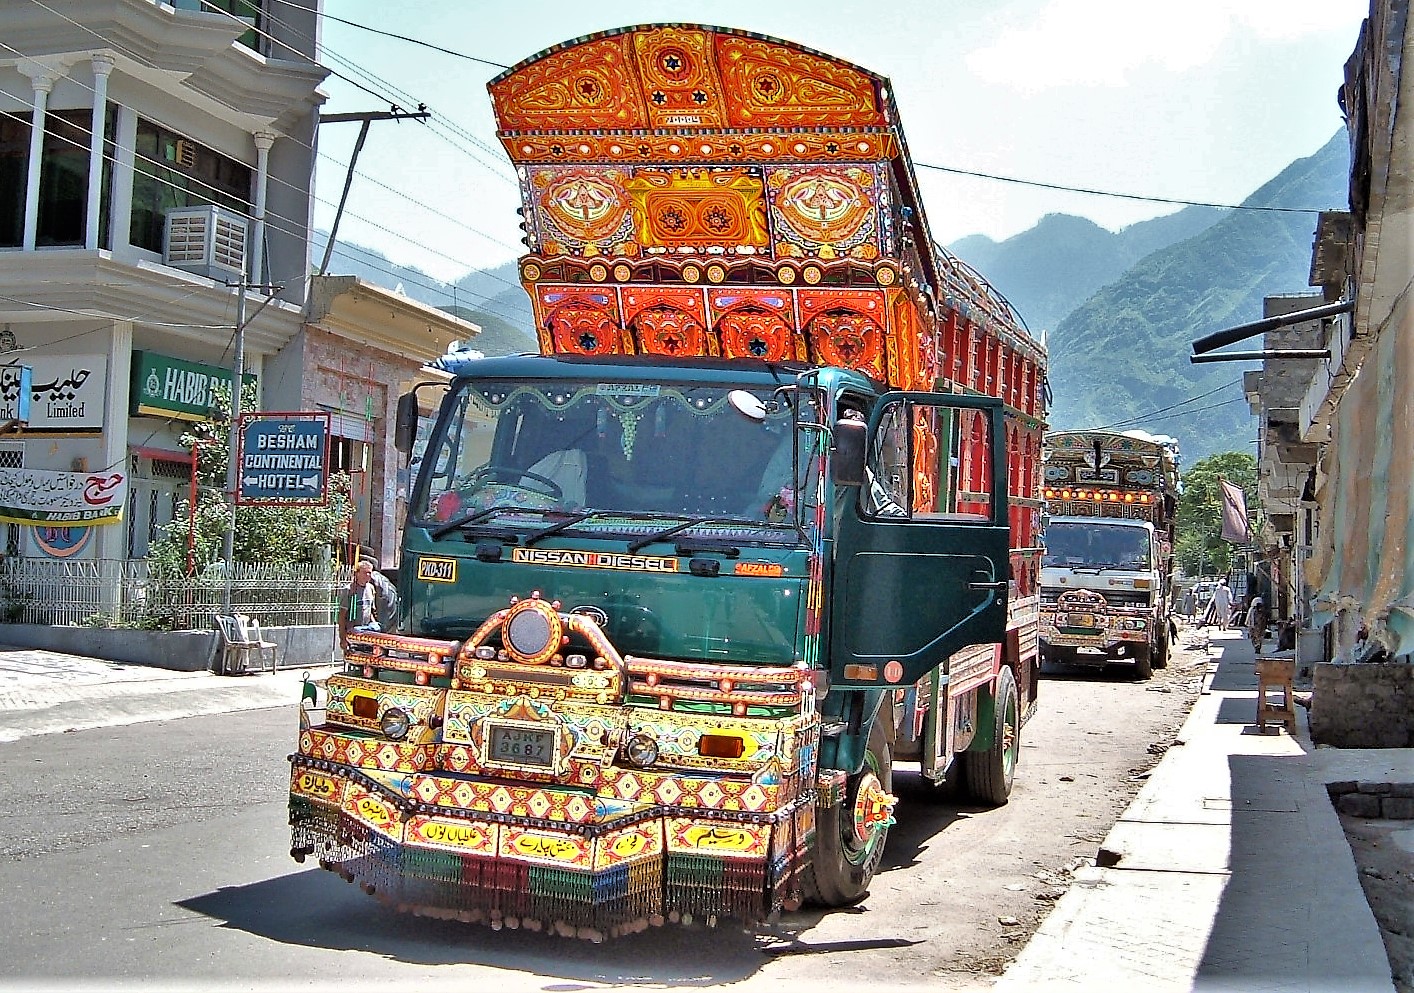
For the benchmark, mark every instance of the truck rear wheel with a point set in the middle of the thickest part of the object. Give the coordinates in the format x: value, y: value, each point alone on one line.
x: 989, y: 774
x: 841, y: 866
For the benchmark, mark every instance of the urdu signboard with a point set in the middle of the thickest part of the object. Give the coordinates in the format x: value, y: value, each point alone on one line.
x: 67, y: 393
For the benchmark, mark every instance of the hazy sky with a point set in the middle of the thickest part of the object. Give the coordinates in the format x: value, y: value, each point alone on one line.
x: 1196, y: 100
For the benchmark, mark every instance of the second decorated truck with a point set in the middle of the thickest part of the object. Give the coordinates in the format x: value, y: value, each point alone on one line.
x: 758, y: 522
x: 1107, y: 573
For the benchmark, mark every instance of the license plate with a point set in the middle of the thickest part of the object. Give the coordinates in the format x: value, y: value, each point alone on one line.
x: 1080, y: 620
x: 522, y: 746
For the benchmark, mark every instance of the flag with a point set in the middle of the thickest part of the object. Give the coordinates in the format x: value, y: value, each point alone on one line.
x: 1234, y: 513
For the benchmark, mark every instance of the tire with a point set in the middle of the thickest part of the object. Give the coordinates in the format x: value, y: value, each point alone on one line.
x: 1161, y: 651
x: 840, y: 869
x: 989, y: 774
x: 1143, y: 662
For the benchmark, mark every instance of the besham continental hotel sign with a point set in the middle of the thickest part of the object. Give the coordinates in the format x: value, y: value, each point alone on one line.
x: 164, y: 386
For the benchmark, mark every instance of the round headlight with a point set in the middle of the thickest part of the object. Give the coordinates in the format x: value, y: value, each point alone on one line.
x: 532, y: 632
x: 395, y: 724
x: 641, y: 750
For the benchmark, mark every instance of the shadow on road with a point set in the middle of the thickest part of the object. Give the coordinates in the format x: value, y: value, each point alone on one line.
x: 316, y: 909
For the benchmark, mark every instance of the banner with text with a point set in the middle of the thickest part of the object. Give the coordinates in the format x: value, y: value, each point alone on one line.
x: 45, y: 496
x: 284, y: 458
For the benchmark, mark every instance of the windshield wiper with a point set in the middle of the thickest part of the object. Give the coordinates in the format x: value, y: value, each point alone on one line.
x: 461, y: 522
x: 646, y: 540
x: 568, y: 522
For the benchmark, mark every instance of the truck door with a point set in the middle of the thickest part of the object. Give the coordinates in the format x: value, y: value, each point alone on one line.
x: 921, y: 554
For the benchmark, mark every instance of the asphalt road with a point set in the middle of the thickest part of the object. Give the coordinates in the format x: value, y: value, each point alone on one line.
x: 158, y: 854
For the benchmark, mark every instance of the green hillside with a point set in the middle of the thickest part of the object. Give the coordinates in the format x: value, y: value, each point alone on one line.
x: 1049, y: 269
x: 1123, y: 353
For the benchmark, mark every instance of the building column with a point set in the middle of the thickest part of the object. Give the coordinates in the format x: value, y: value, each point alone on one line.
x: 113, y: 444
x: 43, y: 84
x: 103, y: 64
x: 263, y: 141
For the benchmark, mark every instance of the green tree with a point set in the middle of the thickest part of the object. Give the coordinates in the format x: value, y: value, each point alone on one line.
x: 272, y: 534
x: 1198, y: 542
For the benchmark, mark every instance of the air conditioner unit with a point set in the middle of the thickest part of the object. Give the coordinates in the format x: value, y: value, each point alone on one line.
x: 208, y: 240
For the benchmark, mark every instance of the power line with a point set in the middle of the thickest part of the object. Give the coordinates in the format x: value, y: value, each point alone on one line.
x: 1164, y: 410
x: 1111, y: 193
x: 1185, y: 413
x: 399, y: 37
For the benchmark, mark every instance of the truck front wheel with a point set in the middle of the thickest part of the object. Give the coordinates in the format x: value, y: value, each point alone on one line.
x: 842, y: 864
x: 1143, y: 662
x: 990, y: 774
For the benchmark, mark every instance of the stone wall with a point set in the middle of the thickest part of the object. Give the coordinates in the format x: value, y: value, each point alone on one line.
x: 1363, y: 705
x: 186, y: 651
x: 1394, y: 801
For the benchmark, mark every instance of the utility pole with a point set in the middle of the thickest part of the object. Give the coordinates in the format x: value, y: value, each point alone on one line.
x: 228, y: 541
x: 395, y: 114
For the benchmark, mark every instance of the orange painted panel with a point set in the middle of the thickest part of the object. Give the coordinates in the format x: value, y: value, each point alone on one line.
x: 588, y: 85
x: 768, y: 84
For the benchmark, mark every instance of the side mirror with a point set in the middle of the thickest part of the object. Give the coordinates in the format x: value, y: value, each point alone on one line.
x: 847, y: 466
x: 405, y: 431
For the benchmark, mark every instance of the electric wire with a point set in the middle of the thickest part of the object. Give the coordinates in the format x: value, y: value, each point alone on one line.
x: 1164, y: 410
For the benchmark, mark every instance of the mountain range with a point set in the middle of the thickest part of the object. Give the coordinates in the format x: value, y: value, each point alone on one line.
x: 1119, y: 309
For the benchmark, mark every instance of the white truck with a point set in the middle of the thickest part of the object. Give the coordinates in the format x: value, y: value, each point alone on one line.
x: 1107, y: 570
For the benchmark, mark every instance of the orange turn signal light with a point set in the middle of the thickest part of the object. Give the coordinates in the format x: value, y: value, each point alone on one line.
x: 721, y: 746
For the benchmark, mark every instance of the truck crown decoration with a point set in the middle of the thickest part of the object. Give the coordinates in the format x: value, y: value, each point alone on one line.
x: 662, y: 636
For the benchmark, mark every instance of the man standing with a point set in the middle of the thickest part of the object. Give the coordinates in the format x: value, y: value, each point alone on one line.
x: 371, y: 603
x: 1220, y: 610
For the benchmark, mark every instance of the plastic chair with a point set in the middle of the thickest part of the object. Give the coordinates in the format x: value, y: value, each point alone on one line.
x: 250, y: 628
x: 235, y: 646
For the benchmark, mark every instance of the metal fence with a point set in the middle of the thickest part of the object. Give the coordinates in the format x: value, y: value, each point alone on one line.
x: 130, y: 593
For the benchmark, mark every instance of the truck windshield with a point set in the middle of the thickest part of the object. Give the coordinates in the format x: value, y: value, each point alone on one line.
x: 1096, y: 546
x: 660, y: 450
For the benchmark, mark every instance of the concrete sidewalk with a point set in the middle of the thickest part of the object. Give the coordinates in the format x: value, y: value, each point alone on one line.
x: 1230, y: 870
x: 43, y: 692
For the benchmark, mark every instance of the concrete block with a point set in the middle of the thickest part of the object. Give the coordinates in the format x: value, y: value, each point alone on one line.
x: 1401, y: 789
x: 1359, y: 805
x: 1342, y: 787
x: 1375, y: 788
x: 1399, y: 808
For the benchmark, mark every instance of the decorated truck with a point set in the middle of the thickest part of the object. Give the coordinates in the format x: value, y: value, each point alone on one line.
x: 1107, y: 572
x: 759, y: 521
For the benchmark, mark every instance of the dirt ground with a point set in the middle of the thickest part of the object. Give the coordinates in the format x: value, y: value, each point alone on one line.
x: 1384, y: 856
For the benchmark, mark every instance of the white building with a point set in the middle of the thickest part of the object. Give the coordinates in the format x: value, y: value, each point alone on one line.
x: 117, y: 117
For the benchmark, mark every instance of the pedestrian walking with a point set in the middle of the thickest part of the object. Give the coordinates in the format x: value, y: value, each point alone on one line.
x: 1256, y: 622
x: 1189, y: 605
x: 371, y: 603
x: 1220, y: 607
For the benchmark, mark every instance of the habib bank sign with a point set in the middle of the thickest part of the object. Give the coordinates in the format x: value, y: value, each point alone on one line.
x: 164, y: 386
